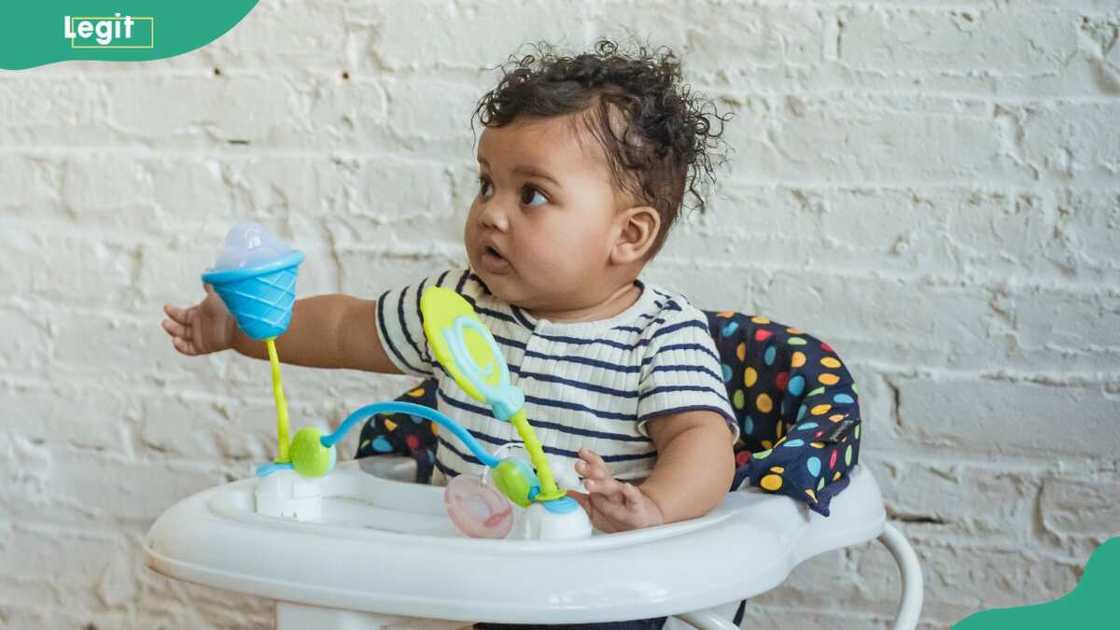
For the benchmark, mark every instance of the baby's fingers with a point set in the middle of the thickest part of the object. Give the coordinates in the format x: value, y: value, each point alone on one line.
x: 178, y: 314
x: 184, y: 346
x: 591, y: 465
x: 609, y: 488
x: 175, y: 329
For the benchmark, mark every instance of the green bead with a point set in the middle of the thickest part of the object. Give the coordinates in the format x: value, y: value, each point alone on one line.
x: 309, y: 457
x: 514, y: 481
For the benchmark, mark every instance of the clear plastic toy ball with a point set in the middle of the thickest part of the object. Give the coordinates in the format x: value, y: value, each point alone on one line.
x: 249, y: 244
x: 477, y: 510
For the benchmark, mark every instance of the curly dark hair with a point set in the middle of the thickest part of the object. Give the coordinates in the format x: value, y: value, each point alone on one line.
x: 657, y: 135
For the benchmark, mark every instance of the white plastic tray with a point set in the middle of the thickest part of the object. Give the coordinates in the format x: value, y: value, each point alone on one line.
x: 387, y: 547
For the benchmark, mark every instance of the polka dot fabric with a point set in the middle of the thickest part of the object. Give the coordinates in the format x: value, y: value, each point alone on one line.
x: 402, y: 434
x: 790, y: 392
x: 797, y: 407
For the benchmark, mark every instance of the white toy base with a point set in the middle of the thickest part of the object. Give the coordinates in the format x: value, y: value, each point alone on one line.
x: 287, y: 495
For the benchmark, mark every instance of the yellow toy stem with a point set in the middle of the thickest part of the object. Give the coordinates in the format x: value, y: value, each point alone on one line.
x: 281, y: 404
x: 549, y: 489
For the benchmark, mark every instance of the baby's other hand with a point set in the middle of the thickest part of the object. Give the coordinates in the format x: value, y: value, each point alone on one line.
x: 200, y: 329
x: 613, y: 505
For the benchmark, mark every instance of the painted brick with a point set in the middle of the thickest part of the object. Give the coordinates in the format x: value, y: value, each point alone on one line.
x: 928, y: 186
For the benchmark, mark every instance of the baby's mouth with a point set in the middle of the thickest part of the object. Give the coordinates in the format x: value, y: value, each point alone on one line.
x: 493, y: 261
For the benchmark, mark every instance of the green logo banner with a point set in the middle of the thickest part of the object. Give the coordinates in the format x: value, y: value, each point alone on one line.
x: 1090, y: 606
x: 39, y: 33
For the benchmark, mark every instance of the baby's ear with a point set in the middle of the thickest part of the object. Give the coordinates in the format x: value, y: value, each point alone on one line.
x: 637, y: 232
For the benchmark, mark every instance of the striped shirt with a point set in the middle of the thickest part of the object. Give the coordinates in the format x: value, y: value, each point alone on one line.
x: 586, y: 384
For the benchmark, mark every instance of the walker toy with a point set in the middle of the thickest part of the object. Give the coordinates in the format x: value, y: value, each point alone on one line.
x: 261, y: 296
x: 256, y: 277
x: 363, y: 547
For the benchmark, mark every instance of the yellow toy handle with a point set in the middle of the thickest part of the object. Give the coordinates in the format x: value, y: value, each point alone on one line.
x: 281, y: 404
x: 549, y: 489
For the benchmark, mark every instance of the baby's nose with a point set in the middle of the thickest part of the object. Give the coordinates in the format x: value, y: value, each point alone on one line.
x: 495, y: 217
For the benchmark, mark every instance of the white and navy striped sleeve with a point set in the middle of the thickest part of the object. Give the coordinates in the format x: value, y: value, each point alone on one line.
x: 681, y: 371
x: 401, y: 328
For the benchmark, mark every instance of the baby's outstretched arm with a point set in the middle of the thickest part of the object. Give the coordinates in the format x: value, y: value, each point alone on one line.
x: 333, y: 331
x: 695, y: 465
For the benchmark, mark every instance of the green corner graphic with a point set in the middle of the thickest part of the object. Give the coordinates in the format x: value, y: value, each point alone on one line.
x: 138, y: 30
x: 1089, y: 606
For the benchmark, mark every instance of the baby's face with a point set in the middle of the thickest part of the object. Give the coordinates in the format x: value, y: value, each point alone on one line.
x: 543, y: 223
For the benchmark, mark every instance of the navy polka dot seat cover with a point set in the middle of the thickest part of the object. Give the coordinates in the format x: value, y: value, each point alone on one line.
x: 796, y: 403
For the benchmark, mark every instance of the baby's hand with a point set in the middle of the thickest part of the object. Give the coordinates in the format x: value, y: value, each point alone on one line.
x: 613, y: 505
x: 201, y: 329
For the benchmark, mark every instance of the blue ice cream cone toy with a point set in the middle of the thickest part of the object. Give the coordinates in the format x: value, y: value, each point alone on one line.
x: 260, y: 297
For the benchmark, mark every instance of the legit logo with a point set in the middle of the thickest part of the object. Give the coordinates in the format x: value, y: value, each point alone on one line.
x: 110, y: 32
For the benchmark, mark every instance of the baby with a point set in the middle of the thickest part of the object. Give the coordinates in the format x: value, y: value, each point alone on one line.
x: 583, y: 165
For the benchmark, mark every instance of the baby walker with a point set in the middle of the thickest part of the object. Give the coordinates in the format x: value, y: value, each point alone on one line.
x: 347, y: 546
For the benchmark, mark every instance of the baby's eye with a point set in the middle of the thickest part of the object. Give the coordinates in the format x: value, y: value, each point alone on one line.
x: 484, y: 187
x: 532, y: 197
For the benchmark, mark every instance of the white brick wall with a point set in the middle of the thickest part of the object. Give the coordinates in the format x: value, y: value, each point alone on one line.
x: 930, y: 186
